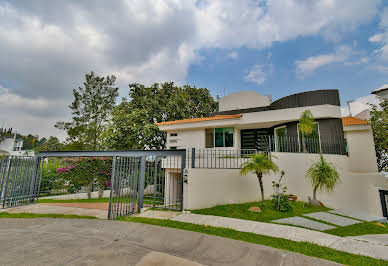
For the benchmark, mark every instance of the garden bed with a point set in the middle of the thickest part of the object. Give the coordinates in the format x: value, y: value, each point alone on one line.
x: 268, y: 213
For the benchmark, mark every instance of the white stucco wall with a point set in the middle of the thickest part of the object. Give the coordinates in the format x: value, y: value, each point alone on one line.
x: 210, y: 187
x: 187, y: 139
x: 361, y: 149
x: 7, y: 145
x: 242, y: 100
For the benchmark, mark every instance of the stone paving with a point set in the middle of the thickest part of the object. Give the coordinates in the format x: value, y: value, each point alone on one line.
x: 359, y: 215
x: 331, y: 218
x: 300, y: 221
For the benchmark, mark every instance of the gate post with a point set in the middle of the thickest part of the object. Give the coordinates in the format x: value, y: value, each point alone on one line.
x: 192, y: 158
x: 183, y: 166
x: 141, y: 183
x: 155, y: 179
x: 7, y: 173
x: 112, y: 180
x: 34, y: 179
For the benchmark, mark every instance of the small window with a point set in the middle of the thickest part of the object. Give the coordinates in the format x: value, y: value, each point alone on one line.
x: 173, y: 148
x: 209, y: 137
x: 173, y: 134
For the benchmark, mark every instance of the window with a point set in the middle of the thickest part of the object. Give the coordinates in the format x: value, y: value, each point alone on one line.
x: 209, y: 137
x: 281, y: 139
x: 219, y: 137
x: 173, y: 134
x: 312, y: 142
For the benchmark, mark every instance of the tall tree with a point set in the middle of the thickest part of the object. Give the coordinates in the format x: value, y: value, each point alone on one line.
x: 52, y: 144
x: 379, y: 123
x: 90, y: 110
x: 133, y: 123
x: 260, y: 164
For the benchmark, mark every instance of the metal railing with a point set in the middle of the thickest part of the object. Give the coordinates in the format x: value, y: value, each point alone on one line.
x: 217, y: 158
x: 303, y: 145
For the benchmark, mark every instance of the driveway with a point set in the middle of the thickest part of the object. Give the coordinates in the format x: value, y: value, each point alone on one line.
x: 102, y: 242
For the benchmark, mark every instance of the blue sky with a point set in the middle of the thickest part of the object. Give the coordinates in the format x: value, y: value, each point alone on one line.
x: 276, y: 47
x: 225, y: 71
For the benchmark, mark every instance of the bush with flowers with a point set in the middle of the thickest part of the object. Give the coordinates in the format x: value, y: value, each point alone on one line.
x: 86, y: 172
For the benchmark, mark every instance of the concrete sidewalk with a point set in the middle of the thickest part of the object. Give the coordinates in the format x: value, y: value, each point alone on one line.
x: 47, y: 208
x: 347, y: 244
x: 101, y: 242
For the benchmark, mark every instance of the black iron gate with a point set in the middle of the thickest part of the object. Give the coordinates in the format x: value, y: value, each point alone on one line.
x: 384, y: 202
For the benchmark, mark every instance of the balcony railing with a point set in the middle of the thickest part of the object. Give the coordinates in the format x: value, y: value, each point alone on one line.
x: 217, y: 158
x: 233, y: 158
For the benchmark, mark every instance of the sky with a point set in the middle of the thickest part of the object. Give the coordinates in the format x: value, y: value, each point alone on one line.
x: 275, y: 47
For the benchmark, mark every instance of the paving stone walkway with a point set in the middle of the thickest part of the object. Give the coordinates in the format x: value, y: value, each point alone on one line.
x: 331, y: 218
x: 300, y: 221
x: 375, y: 249
x: 359, y: 215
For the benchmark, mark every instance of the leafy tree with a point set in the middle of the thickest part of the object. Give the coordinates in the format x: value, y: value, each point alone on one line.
x: 133, y: 122
x: 306, y: 126
x: 379, y: 123
x: 90, y: 110
x: 322, y: 175
x: 261, y: 164
x: 52, y: 144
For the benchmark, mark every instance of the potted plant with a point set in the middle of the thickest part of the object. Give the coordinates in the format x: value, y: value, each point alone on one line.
x: 292, y: 197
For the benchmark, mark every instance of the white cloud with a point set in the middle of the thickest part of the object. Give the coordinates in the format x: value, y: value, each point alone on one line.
x: 381, y: 38
x: 360, y: 104
x: 47, y: 46
x: 310, y: 64
x: 232, y: 55
x: 259, y: 73
x: 30, y: 115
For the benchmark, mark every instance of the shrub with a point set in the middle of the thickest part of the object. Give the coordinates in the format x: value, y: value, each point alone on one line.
x: 282, y: 203
x: 89, y: 172
x: 279, y: 198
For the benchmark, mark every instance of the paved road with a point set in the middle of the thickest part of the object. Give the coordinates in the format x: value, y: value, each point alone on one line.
x: 102, y: 242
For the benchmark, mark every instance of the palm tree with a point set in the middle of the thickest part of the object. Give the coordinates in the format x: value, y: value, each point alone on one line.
x: 306, y: 126
x: 260, y: 164
x: 322, y: 175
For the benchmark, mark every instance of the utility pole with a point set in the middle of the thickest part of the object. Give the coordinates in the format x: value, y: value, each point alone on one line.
x: 350, y: 111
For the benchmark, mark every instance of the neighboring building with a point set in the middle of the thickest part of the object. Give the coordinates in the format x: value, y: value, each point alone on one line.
x: 10, y: 145
x: 248, y: 122
x: 382, y: 92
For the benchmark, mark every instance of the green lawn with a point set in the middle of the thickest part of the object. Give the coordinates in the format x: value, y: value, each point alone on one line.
x: 268, y: 213
x: 36, y: 215
x: 365, y: 228
x: 305, y: 248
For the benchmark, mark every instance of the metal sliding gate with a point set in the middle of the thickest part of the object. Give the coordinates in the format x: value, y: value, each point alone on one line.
x: 19, y: 177
x: 144, y: 178
x: 147, y: 179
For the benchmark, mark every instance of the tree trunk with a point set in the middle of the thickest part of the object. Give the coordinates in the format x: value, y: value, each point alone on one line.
x: 304, y: 144
x: 260, y: 177
x: 315, y: 193
x: 90, y: 188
